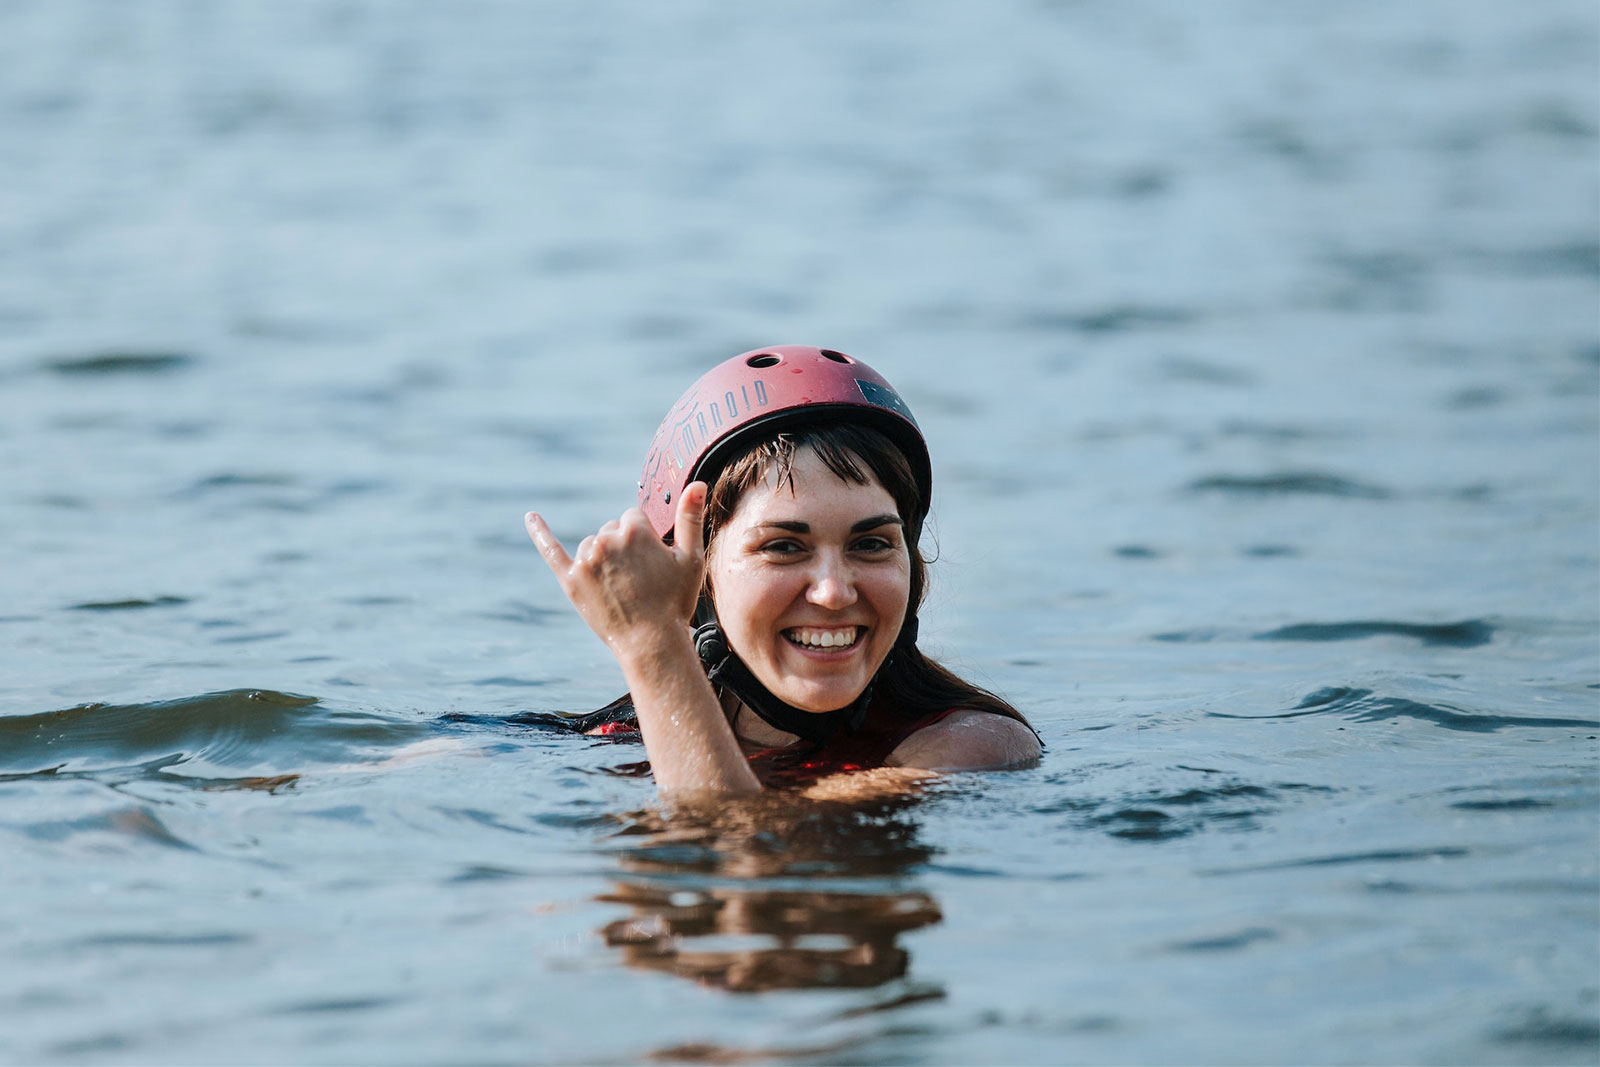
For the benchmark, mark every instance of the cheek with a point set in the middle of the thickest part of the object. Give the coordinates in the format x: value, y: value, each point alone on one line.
x: 890, y: 590
x: 745, y: 597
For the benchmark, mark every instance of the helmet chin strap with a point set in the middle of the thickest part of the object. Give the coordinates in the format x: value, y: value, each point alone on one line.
x: 724, y: 668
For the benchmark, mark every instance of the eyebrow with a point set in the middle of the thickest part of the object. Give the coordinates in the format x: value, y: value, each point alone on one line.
x: 860, y: 527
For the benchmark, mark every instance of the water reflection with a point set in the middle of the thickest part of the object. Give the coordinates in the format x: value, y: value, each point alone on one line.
x: 774, y: 892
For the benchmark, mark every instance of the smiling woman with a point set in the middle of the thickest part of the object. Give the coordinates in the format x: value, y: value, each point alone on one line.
x: 762, y: 598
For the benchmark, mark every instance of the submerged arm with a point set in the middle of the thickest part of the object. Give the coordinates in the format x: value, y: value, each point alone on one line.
x: 638, y: 595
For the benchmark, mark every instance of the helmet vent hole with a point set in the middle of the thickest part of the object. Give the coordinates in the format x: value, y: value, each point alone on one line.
x: 837, y: 357
x: 765, y: 359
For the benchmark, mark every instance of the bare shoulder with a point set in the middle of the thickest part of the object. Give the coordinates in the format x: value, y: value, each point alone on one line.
x: 968, y: 740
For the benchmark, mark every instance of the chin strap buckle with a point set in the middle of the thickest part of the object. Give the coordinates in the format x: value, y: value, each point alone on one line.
x: 711, y: 647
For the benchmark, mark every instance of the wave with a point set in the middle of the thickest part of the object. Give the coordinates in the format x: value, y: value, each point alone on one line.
x: 263, y: 730
x: 1310, y: 483
x: 1344, y: 859
x: 1119, y: 318
x: 1363, y: 705
x: 110, y: 363
x: 131, y: 605
x: 1469, y: 633
x: 1161, y: 814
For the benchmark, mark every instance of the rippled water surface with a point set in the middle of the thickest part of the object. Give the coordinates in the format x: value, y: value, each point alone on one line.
x: 1259, y: 349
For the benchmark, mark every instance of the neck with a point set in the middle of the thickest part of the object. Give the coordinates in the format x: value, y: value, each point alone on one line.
x: 752, y: 728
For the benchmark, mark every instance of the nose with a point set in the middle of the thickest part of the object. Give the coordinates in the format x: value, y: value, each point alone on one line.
x: 832, y: 585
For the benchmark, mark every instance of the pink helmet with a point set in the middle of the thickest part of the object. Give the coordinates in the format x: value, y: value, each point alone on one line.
x: 762, y: 392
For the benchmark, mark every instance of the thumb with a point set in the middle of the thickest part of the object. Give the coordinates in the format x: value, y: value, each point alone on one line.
x: 690, y: 525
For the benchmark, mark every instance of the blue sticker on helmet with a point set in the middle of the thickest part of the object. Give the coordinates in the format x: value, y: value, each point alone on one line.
x: 885, y: 397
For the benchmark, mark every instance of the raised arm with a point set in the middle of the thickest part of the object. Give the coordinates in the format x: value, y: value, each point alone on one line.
x: 638, y: 594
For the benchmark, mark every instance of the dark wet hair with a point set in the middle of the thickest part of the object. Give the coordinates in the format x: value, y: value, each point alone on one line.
x: 910, y: 684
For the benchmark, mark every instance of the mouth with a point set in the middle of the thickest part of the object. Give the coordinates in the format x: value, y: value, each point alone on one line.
x: 825, y: 638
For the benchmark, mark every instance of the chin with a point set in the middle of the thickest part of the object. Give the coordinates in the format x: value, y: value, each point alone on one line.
x: 819, y: 703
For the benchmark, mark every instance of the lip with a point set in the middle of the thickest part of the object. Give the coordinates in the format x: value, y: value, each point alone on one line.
x: 832, y: 653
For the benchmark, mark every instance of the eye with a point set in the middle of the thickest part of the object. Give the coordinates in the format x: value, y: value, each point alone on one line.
x: 784, y: 546
x: 873, y: 543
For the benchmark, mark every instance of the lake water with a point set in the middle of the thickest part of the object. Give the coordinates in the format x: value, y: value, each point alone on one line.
x: 1258, y: 345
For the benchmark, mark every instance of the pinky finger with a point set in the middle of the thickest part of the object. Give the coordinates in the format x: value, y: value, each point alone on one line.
x: 548, y: 544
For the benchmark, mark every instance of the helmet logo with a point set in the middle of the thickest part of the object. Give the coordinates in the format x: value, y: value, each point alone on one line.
x: 689, y: 432
x: 732, y: 402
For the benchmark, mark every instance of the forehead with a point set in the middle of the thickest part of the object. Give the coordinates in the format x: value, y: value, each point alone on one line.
x: 812, y: 493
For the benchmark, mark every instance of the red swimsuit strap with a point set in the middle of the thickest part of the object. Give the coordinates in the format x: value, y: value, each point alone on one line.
x: 862, y: 750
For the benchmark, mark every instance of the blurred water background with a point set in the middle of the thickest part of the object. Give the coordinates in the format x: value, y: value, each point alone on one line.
x: 1258, y: 345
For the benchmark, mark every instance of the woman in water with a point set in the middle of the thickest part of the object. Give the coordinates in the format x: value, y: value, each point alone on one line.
x: 762, y: 598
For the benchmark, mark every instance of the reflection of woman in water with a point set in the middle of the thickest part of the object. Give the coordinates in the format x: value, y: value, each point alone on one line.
x: 754, y: 940
x: 762, y: 896
x: 762, y: 598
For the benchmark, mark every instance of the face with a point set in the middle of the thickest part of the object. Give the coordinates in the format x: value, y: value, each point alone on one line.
x: 811, y: 585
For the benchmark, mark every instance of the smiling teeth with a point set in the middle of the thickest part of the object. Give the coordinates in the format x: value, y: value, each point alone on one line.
x: 813, y: 638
